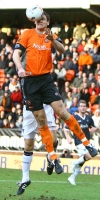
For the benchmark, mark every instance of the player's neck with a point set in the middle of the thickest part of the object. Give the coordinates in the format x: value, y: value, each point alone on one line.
x: 40, y: 31
x: 82, y: 114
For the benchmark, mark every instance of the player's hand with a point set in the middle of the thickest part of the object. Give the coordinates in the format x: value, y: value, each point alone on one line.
x: 21, y: 72
x: 70, y: 141
x: 48, y: 32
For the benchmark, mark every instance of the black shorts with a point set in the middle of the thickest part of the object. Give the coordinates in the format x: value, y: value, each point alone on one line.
x: 38, y: 90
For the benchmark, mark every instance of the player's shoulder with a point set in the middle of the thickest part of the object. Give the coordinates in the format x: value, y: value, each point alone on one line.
x: 28, y: 31
x: 88, y: 116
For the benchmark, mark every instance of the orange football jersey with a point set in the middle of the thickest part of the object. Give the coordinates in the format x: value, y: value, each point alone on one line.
x: 38, y: 58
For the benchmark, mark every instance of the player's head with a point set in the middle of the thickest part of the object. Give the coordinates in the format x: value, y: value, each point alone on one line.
x: 47, y: 15
x: 82, y: 106
x: 44, y: 21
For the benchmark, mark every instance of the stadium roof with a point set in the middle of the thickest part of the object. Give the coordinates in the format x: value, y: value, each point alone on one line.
x: 13, y: 4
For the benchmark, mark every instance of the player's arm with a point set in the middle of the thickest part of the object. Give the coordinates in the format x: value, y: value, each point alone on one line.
x: 92, y: 127
x: 58, y: 46
x: 67, y: 135
x: 94, y: 130
x: 17, y: 60
x: 56, y: 42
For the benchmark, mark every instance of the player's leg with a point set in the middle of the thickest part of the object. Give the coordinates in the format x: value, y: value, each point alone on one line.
x: 69, y: 119
x: 47, y: 139
x: 26, y: 163
x: 28, y: 132
x: 52, y: 126
x: 77, y: 164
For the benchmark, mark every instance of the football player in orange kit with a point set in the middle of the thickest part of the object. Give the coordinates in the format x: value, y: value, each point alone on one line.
x: 37, y: 83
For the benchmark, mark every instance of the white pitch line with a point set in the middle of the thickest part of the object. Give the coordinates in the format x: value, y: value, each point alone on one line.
x: 53, y: 182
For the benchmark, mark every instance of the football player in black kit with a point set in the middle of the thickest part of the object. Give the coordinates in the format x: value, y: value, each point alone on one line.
x: 87, y: 125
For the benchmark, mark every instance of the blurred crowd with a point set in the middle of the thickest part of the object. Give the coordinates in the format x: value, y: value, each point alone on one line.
x: 76, y: 73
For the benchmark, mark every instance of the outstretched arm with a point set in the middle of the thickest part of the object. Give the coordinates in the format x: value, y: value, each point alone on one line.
x: 17, y: 60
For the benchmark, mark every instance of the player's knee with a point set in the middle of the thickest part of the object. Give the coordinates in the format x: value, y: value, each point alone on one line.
x: 29, y: 147
x: 87, y: 157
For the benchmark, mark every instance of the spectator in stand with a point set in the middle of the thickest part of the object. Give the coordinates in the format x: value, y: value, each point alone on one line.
x: 16, y: 96
x: 66, y: 32
x: 3, y: 52
x: 81, y: 46
x: 18, y: 34
x: 9, y: 117
x: 7, y: 90
x: 61, y: 75
x: 6, y: 102
x: 2, y: 117
x: 68, y: 62
x: 74, y: 43
x: 75, y: 93
x: 8, y: 76
x: 3, y: 35
x: 5, y: 123
x: 96, y: 117
x: 94, y: 87
x: 85, y: 96
x: 97, y: 70
x: 13, y: 43
x: 74, y: 107
x: 18, y: 113
x: 18, y: 106
x: 66, y: 42
x: 8, y: 48
x: 67, y: 51
x: 79, y: 30
x: 91, y: 27
x: 10, y: 36
x: 93, y: 97
x: 19, y: 122
x: 1, y: 95
x: 85, y: 59
x: 74, y: 66
x: 13, y: 113
x: 98, y: 79
x: 78, y: 80
x: 84, y: 37
x: 6, y: 83
x: 10, y: 66
x: 91, y: 78
x: 98, y: 44
x: 88, y: 69
x: 12, y: 124
x: 65, y: 93
x: 65, y: 90
x: 97, y: 31
x: 68, y: 100
x: 56, y: 28
x: 74, y: 52
x: 13, y: 84
x: 89, y: 45
x: 85, y: 83
x: 95, y: 55
x: 2, y: 61
x: 2, y: 44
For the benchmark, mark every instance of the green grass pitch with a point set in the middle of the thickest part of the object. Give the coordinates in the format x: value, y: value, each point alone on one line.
x: 45, y: 187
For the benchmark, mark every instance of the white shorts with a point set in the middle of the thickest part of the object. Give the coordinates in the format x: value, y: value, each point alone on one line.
x: 30, y: 126
x: 81, y: 149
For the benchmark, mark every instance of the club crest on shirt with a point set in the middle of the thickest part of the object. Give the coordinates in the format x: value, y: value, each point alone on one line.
x: 46, y: 40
